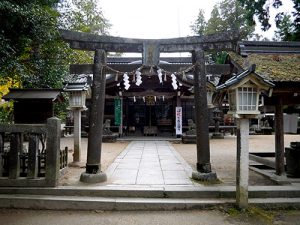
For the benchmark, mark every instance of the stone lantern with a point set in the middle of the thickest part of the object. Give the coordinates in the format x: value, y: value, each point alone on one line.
x: 210, y: 89
x: 243, y: 92
x: 78, y: 92
x: 77, y: 99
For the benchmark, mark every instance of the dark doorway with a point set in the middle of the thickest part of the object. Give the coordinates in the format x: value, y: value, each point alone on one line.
x: 149, y: 116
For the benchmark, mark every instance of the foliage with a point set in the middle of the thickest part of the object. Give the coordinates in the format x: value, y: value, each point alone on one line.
x: 215, y: 23
x: 30, y: 43
x: 84, y: 16
x: 31, y: 49
x: 6, y: 108
x: 284, y: 30
x: 220, y: 57
x: 261, y: 9
x: 200, y: 24
x: 60, y: 109
x: 228, y: 15
x: 6, y: 112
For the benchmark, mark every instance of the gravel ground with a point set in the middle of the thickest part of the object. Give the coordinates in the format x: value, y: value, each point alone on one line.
x: 109, y: 152
x: 226, y: 216
x: 223, y: 155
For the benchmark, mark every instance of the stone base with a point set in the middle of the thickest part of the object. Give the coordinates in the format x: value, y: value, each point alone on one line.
x: 188, y: 139
x: 109, y: 138
x: 76, y: 164
x: 217, y: 136
x: 93, y: 178
x: 212, y: 176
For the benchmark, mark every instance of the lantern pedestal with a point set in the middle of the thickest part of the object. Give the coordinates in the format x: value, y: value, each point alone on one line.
x: 242, y: 164
x: 77, y: 138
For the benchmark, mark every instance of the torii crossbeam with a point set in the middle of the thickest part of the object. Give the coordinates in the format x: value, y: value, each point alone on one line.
x: 150, y: 49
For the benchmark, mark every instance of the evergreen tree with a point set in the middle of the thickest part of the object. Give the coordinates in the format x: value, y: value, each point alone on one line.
x: 200, y: 24
x: 261, y: 9
x: 228, y: 15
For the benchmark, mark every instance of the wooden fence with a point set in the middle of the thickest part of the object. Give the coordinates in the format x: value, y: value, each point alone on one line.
x: 30, y: 154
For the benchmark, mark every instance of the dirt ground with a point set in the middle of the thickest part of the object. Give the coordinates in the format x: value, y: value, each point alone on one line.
x: 223, y: 156
x: 109, y: 152
x: 228, y: 216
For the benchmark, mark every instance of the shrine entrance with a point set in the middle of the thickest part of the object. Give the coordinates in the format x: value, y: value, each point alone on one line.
x: 151, y: 69
x: 149, y: 116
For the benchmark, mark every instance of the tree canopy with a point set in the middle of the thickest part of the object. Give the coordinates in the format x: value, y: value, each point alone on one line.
x: 31, y: 49
x: 288, y: 25
x: 228, y: 15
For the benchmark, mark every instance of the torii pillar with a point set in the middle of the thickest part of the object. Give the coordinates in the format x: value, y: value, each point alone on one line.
x: 204, y: 171
x: 93, y: 173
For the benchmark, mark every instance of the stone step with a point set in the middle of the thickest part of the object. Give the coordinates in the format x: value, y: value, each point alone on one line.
x: 106, y: 203
x: 158, y: 192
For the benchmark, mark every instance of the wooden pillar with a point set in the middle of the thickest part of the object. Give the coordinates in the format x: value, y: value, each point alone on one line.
x: 201, y: 117
x: 203, y: 151
x: 279, y: 138
x: 53, y: 151
x: 33, y: 150
x: 178, y: 101
x: 121, y: 122
x: 93, y: 172
x: 242, y: 163
x: 16, y: 145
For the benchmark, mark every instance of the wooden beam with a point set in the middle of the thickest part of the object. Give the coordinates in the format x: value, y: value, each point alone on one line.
x: 88, y: 68
x: 91, y: 42
x: 268, y: 47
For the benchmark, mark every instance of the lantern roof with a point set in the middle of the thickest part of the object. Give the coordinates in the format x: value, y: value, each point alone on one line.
x: 76, y: 86
x: 247, y: 75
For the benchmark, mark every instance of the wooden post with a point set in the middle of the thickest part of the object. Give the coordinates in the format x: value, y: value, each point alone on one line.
x: 203, y: 151
x: 53, y: 151
x: 93, y: 172
x: 279, y: 138
x: 33, y: 149
x: 16, y: 145
x: 242, y: 163
x: 121, y: 124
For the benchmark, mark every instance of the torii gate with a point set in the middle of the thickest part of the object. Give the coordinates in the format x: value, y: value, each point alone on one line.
x: 150, y: 49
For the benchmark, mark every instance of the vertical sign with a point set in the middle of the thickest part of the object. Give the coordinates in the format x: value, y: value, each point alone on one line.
x: 118, y: 111
x: 178, y: 120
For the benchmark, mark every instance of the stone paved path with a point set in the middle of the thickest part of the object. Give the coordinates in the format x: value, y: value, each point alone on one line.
x: 149, y: 163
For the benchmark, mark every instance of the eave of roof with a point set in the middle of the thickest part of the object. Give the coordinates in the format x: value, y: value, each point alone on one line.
x: 237, y: 78
x: 50, y: 94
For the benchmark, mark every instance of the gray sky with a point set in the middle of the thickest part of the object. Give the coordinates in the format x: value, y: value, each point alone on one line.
x: 158, y: 18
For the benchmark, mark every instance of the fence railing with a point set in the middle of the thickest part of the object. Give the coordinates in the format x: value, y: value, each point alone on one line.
x: 30, y: 154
